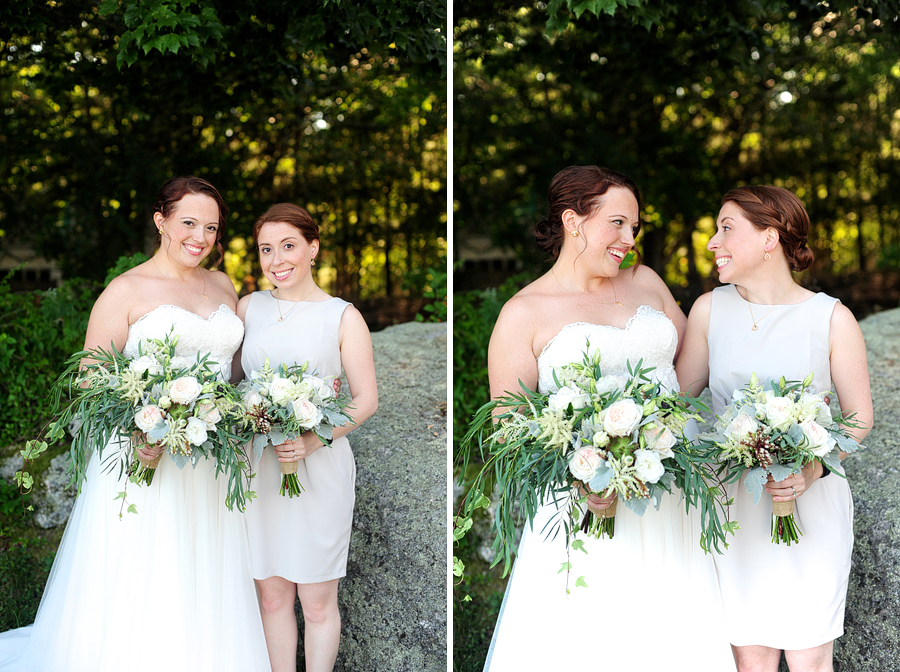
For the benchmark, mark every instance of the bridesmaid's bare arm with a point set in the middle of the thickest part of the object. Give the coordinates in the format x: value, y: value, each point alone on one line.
x: 850, y: 370
x: 692, y: 366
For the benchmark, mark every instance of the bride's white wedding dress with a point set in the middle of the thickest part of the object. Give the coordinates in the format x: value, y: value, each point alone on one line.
x: 168, y: 589
x: 652, y: 600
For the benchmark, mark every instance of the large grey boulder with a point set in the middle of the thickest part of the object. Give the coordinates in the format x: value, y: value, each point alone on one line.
x: 394, y: 598
x: 872, y: 625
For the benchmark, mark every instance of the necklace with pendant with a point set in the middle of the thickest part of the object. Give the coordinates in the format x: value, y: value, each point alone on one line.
x: 771, y: 308
x: 281, y: 315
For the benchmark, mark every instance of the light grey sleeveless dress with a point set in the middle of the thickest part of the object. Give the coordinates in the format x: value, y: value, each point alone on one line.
x: 303, y: 539
x: 754, y: 574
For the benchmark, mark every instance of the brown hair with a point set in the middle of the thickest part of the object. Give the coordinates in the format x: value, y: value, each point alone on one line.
x: 289, y: 214
x: 177, y: 188
x: 577, y: 188
x: 766, y: 206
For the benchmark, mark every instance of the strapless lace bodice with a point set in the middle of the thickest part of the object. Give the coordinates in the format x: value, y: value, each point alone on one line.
x: 649, y: 336
x: 219, y: 335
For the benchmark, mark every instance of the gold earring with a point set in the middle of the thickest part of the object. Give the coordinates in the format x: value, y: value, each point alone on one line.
x: 767, y: 257
x: 312, y: 262
x: 574, y: 233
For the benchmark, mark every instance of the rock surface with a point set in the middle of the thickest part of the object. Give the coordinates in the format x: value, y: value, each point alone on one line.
x: 872, y: 638
x: 394, y: 598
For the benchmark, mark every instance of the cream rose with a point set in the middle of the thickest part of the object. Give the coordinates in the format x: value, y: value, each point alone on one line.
x: 622, y: 417
x: 208, y: 412
x: 648, y: 466
x: 584, y: 463
x: 600, y: 439
x: 281, y: 390
x: 148, y: 417
x: 184, y: 390
x: 252, y: 399
x: 779, y: 412
x: 821, y: 442
x: 306, y: 413
x: 560, y: 400
x: 660, y: 438
x: 741, y: 426
x: 195, y: 432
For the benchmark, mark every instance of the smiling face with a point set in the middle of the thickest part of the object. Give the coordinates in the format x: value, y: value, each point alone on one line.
x: 284, y: 254
x: 188, y: 234
x: 739, y: 247
x: 607, y: 234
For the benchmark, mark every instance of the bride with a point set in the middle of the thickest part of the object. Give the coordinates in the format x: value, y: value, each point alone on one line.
x: 651, y: 600
x: 170, y: 587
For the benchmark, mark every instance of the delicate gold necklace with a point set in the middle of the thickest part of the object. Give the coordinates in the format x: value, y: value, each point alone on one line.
x: 602, y: 303
x: 755, y: 322
x: 183, y: 285
x: 278, y: 303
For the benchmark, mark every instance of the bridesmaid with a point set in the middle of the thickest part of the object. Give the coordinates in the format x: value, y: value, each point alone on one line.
x: 778, y: 597
x: 299, y: 545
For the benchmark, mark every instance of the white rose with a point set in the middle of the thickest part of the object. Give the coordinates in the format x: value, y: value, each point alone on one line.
x: 778, y: 412
x: 821, y: 442
x: 304, y: 389
x: 661, y: 439
x: 600, y: 439
x: 281, y: 390
x: 148, y: 417
x: 584, y: 463
x: 146, y: 363
x: 560, y: 400
x: 823, y: 415
x: 323, y: 389
x: 648, y: 466
x: 195, y: 432
x: 622, y: 417
x: 611, y: 383
x: 164, y: 402
x: 252, y: 399
x: 306, y: 413
x: 741, y: 426
x: 184, y: 390
x: 208, y: 412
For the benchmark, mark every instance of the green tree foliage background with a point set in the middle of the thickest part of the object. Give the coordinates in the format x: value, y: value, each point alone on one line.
x: 336, y: 105
x: 690, y: 100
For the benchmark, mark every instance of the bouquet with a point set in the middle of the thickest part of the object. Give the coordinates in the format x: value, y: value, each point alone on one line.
x: 777, y: 431
x: 596, y: 433
x: 279, y: 404
x: 179, y: 403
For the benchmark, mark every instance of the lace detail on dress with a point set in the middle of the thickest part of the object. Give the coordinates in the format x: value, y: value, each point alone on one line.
x: 649, y: 335
x: 218, y: 335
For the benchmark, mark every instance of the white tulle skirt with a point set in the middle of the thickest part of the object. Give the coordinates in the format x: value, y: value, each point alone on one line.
x: 651, y: 601
x: 167, y: 589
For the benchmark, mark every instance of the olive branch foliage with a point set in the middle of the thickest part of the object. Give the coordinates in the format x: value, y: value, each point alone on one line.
x: 521, y: 474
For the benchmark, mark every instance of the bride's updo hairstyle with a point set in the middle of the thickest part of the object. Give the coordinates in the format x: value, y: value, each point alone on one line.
x: 289, y: 214
x: 177, y: 188
x: 766, y: 206
x: 580, y: 189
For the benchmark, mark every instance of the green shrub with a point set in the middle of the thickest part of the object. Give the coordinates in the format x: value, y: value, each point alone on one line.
x: 474, y: 315
x: 39, y: 331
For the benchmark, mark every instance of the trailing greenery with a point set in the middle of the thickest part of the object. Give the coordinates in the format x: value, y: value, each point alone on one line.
x: 433, y: 288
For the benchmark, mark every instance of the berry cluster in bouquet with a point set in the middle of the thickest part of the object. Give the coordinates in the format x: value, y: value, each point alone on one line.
x: 775, y: 431
x: 596, y: 433
x: 177, y: 403
x: 280, y: 404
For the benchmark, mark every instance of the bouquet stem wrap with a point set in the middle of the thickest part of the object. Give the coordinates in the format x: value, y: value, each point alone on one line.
x: 143, y: 470
x: 290, y: 484
x: 784, y: 527
x: 603, y: 524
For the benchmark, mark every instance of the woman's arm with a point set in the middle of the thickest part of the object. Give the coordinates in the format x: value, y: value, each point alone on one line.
x: 237, y: 371
x: 358, y: 363
x: 511, y: 357
x: 692, y: 366
x: 850, y: 369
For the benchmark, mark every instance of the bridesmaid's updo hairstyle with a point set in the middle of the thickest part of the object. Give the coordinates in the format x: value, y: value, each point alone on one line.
x: 767, y: 206
x: 177, y: 188
x: 289, y: 214
x: 580, y: 189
